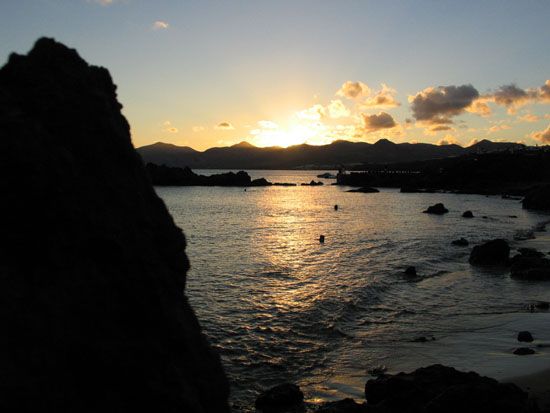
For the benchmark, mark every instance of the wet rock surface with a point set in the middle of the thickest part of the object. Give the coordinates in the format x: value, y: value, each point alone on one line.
x: 282, y: 398
x: 443, y: 390
x: 495, y: 252
x: 93, y: 270
x: 437, y: 209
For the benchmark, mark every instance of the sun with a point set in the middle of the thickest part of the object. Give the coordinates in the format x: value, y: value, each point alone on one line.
x: 296, y: 133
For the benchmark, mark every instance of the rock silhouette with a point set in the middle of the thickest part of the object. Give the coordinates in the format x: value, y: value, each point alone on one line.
x: 437, y: 209
x: 495, y: 252
x: 538, y: 198
x: 441, y: 389
x: 365, y: 190
x: 93, y: 268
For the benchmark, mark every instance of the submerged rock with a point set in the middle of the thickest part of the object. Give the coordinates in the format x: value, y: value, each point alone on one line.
x: 280, y: 398
x: 437, y: 209
x: 530, y: 264
x: 365, y: 190
x: 524, y: 351
x: 538, y: 198
x: 525, y: 337
x: 440, y: 389
x: 462, y: 242
x: 313, y: 183
x: 467, y: 214
x: 495, y: 252
x: 93, y: 266
x: 411, y: 271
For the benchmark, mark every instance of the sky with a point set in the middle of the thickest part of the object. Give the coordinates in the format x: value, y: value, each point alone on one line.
x: 215, y: 73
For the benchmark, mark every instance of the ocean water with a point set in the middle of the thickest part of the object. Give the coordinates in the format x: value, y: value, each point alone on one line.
x: 278, y: 305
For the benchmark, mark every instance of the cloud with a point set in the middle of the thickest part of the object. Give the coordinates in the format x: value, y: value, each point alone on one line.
x: 439, y: 128
x: 267, y: 124
x: 480, y: 107
x: 168, y: 127
x: 198, y: 128
x: 529, y: 117
x: 498, y: 128
x: 336, y: 109
x: 316, y: 112
x: 353, y: 90
x: 374, y: 123
x: 542, y: 136
x: 102, y: 2
x: 437, y: 105
x: 160, y: 25
x: 224, y: 126
x: 383, y: 98
x: 545, y: 91
x: 448, y: 140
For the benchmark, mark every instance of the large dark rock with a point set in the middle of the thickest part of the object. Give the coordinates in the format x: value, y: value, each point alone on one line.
x: 467, y: 214
x: 440, y: 389
x: 525, y: 337
x: 437, y: 209
x: 530, y: 264
x: 162, y: 175
x: 92, y: 268
x: 538, y: 198
x: 283, y: 397
x: 495, y: 252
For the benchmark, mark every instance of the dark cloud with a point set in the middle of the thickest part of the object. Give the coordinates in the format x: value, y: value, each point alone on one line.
x: 510, y: 95
x: 225, y: 125
x: 437, y: 105
x: 545, y: 91
x: 376, y: 122
x: 440, y: 128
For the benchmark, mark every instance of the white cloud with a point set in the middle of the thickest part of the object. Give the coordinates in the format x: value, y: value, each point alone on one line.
x: 160, y: 25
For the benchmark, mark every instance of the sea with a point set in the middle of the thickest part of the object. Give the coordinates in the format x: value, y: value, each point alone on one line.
x: 278, y: 305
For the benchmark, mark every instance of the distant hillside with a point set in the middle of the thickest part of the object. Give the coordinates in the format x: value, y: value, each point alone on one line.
x: 247, y: 156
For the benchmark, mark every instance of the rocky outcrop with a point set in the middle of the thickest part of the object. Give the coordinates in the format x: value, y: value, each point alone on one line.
x: 467, y: 214
x: 538, y: 198
x: 313, y: 183
x: 495, y: 252
x: 365, y: 190
x: 93, y: 269
x: 162, y: 175
x: 343, y: 406
x: 440, y: 389
x: 437, y: 209
x: 282, y: 398
x: 530, y: 264
x: 525, y: 337
x: 461, y: 242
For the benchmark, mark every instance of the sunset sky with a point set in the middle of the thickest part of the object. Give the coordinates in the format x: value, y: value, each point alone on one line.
x: 203, y: 74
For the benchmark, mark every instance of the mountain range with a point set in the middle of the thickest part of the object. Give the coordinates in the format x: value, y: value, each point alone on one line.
x: 246, y: 156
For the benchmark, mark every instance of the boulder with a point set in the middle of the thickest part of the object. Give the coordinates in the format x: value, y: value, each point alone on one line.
x: 525, y: 337
x: 437, y: 209
x: 342, y: 406
x: 280, y: 398
x: 495, y: 252
x: 411, y: 271
x: 538, y: 198
x: 467, y: 214
x: 93, y: 267
x: 530, y: 264
x: 365, y: 190
x: 462, y: 242
x: 524, y: 351
x: 313, y: 183
x: 441, y: 389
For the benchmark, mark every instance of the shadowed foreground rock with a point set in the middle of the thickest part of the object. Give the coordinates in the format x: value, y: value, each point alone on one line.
x: 440, y: 389
x: 92, y: 272
x: 495, y: 252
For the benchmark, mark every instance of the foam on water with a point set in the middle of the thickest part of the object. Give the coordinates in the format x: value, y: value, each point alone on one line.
x: 279, y: 305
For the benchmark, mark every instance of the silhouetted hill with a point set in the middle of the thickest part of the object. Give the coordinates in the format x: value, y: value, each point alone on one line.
x: 246, y: 156
x: 483, y: 173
